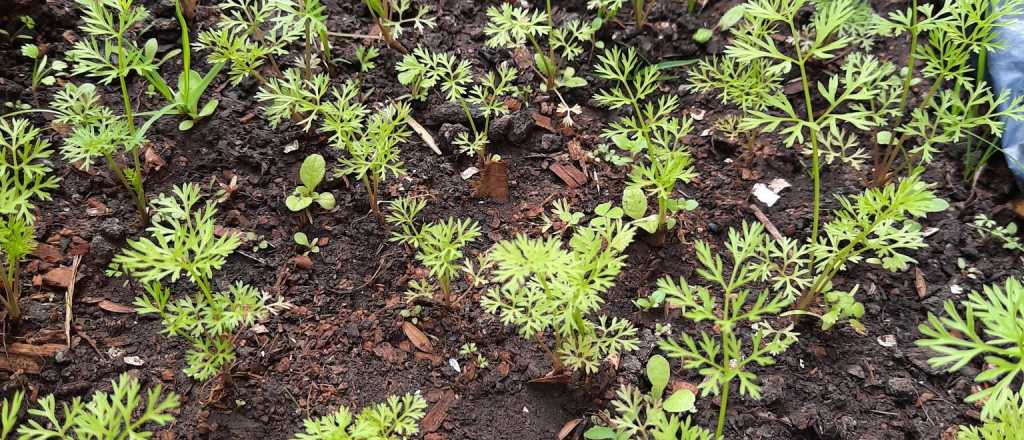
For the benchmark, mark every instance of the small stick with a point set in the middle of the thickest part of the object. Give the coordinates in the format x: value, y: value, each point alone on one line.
x: 768, y: 225
x: 69, y: 297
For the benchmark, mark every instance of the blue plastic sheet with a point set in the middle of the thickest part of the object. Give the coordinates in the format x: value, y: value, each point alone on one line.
x: 1006, y: 69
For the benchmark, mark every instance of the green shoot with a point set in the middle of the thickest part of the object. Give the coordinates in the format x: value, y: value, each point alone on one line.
x: 183, y: 241
x: 9, y: 413
x: 311, y: 246
x: 423, y: 70
x: 988, y: 329
x: 98, y: 134
x: 650, y: 132
x: 42, y: 70
x: 727, y: 304
x: 374, y: 155
x: 439, y: 245
x: 541, y: 286
x: 471, y: 352
x: 311, y: 174
x: 250, y: 34
x: 310, y: 18
x: 390, y: 17
x: 1009, y: 419
x: 511, y: 27
x: 105, y: 416
x: 24, y: 171
x: 396, y: 419
x: 1005, y: 234
x: 17, y: 241
x: 365, y: 56
x: 650, y: 415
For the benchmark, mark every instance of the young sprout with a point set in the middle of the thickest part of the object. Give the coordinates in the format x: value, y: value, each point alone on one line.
x: 42, y: 70
x: 123, y: 413
x: 310, y: 18
x: 471, y: 352
x: 423, y: 70
x: 17, y: 241
x: 390, y: 17
x: 439, y: 245
x: 651, y: 135
x: 540, y: 286
x: 397, y: 418
x: 183, y: 242
x: 1005, y: 234
x: 24, y: 171
x: 512, y: 27
x: 642, y: 416
x: 730, y: 300
x: 374, y: 155
x: 98, y: 134
x: 251, y: 33
x: 1008, y: 419
x: 311, y: 174
x: 311, y: 246
x: 365, y: 56
x: 989, y: 328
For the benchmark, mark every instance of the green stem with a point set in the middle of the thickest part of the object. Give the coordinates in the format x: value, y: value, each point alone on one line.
x: 815, y: 160
x: 186, y: 56
x: 638, y: 10
x: 911, y: 58
x: 721, y: 411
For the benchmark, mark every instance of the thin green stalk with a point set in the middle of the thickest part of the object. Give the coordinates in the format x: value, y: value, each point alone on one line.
x: 186, y: 55
x: 638, y: 11
x: 719, y: 430
x: 911, y: 58
x: 815, y: 160
x: 551, y: 50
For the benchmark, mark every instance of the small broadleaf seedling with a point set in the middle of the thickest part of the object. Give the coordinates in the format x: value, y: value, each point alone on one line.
x: 989, y: 328
x: 311, y: 246
x: 105, y: 416
x: 312, y: 172
x: 43, y: 71
x: 395, y: 419
x: 439, y: 245
x: 390, y: 17
x: 183, y: 241
x: 541, y: 286
x: 512, y: 27
x: 720, y: 356
x: 643, y: 416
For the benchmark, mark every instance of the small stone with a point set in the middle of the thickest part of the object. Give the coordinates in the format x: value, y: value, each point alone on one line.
x: 856, y: 371
x: 549, y: 143
x: 901, y: 387
x: 134, y: 361
x: 919, y: 356
x: 630, y: 364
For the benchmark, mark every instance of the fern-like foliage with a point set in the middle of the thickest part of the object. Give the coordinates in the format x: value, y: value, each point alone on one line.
x: 396, y: 419
x: 541, y: 286
x: 24, y: 173
x: 183, y: 242
x: 122, y: 413
x: 989, y: 329
x: 1006, y: 424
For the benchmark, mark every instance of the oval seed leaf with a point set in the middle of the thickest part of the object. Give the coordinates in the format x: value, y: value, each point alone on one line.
x: 297, y: 203
x: 326, y: 200
x: 634, y: 202
x: 732, y: 16
x: 681, y: 400
x: 312, y: 171
x: 657, y: 373
x: 599, y: 433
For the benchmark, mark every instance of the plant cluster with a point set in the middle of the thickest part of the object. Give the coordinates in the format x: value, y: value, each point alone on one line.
x: 391, y: 16
x: 397, y: 418
x: 652, y: 136
x: 512, y: 27
x: 483, y: 98
x: 438, y: 245
x: 1007, y: 235
x: 24, y: 180
x: 183, y: 242
x: 540, y: 286
x: 643, y: 416
x: 115, y: 415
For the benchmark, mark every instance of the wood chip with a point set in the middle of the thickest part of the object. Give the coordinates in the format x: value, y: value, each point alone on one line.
x: 114, y: 307
x: 569, y: 174
x: 425, y: 135
x: 59, y: 277
x: 432, y: 421
x: 920, y: 284
x: 15, y: 363
x: 543, y: 122
x: 493, y: 182
x: 567, y: 428
x: 42, y: 350
x: 417, y: 337
x: 69, y: 300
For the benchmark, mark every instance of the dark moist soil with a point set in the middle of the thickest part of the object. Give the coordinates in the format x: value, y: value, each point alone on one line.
x: 343, y: 343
